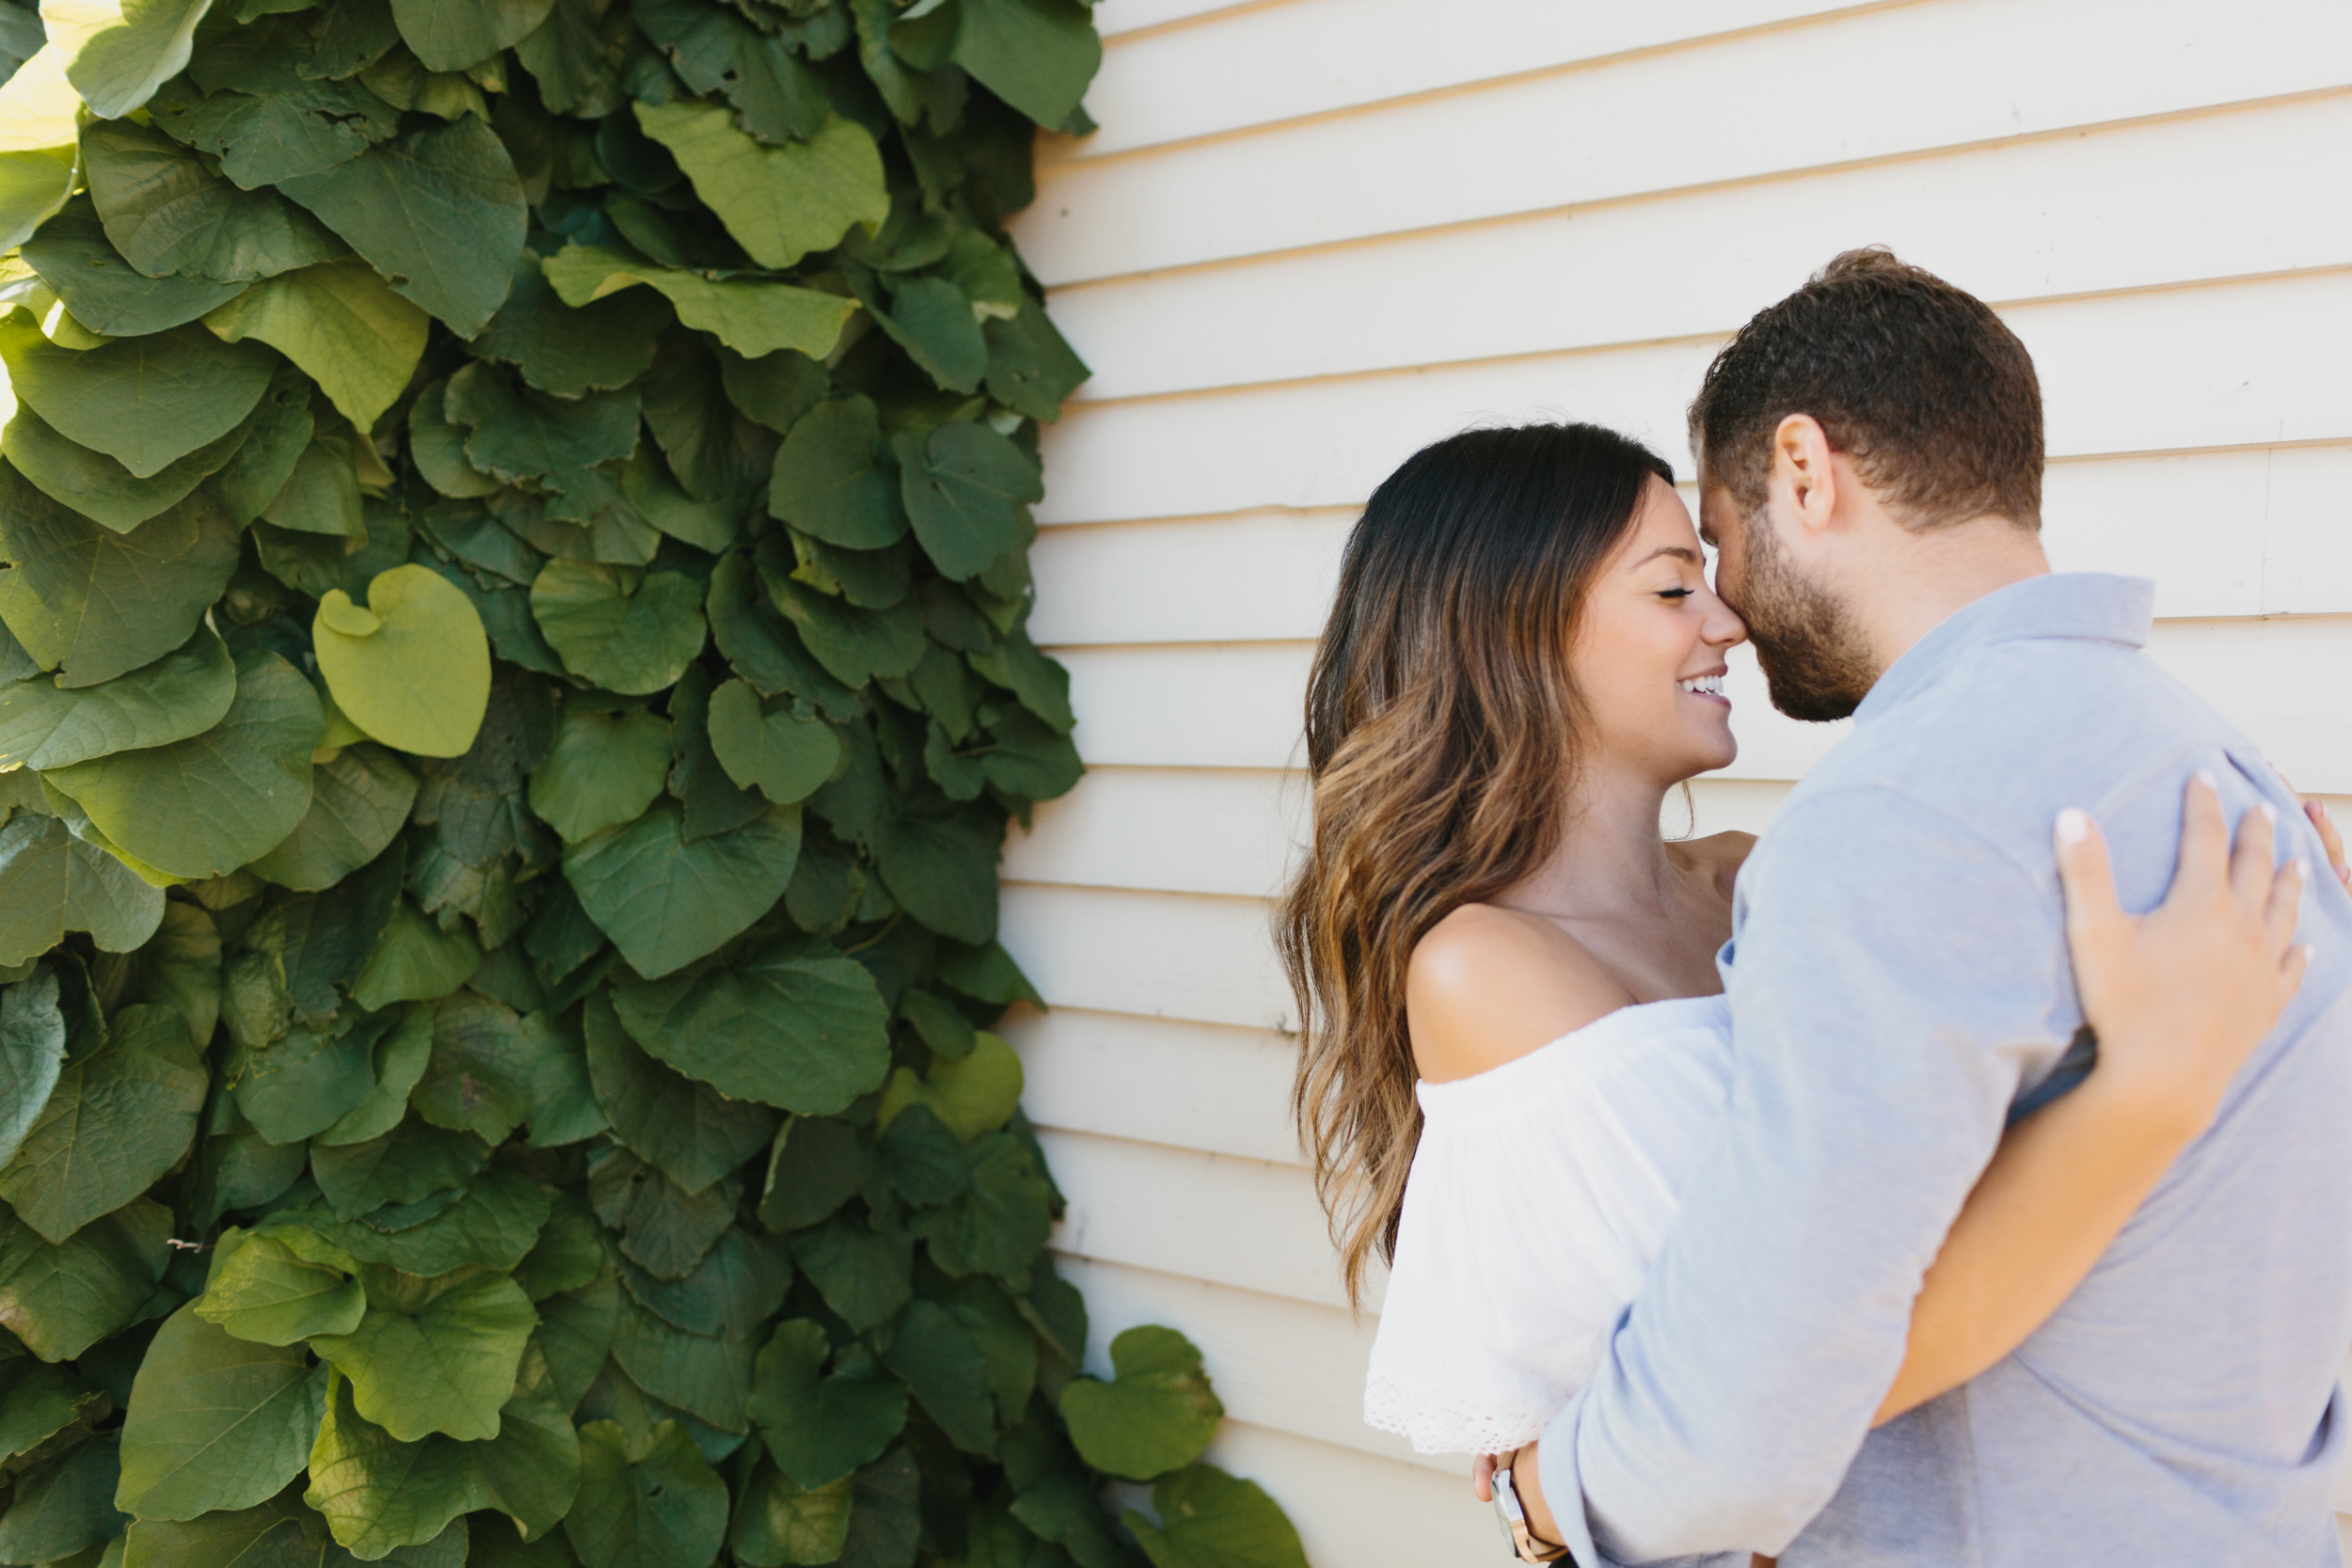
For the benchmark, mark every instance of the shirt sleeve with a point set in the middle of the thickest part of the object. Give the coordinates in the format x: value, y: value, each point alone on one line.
x: 1893, y: 978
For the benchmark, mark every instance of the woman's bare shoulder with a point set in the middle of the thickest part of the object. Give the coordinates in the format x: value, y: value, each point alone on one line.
x: 1489, y: 985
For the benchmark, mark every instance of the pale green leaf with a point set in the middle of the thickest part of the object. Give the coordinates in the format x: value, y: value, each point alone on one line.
x: 216, y: 1421
x: 118, y: 51
x: 261, y: 1291
x: 413, y: 668
x: 778, y: 202
x: 38, y: 106
x: 379, y: 1494
x: 340, y: 322
x: 33, y: 186
x: 434, y: 1355
x: 752, y: 316
x: 43, y: 725
x: 1209, y: 1519
x: 972, y: 1094
x: 204, y: 806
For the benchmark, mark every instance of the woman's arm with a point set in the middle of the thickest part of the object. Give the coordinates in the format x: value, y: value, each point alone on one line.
x: 2179, y: 998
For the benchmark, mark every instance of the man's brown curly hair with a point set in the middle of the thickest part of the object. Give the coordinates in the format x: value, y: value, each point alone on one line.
x: 1918, y: 383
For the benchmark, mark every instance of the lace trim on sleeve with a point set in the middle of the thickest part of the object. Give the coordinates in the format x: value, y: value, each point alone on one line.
x: 1451, y: 1421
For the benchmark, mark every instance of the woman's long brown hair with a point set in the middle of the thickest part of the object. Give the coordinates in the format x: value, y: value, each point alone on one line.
x: 1443, y: 730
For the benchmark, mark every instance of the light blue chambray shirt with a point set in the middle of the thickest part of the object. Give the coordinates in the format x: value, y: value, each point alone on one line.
x: 1897, y: 976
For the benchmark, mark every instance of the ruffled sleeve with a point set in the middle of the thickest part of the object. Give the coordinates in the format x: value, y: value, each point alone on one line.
x: 1538, y: 1196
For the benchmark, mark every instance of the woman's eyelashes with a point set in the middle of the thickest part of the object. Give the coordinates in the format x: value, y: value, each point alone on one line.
x: 1675, y: 593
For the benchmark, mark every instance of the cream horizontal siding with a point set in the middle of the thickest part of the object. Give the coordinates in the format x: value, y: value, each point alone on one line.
x: 1313, y: 235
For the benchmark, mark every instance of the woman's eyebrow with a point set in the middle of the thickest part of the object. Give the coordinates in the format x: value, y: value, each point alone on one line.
x: 1681, y: 552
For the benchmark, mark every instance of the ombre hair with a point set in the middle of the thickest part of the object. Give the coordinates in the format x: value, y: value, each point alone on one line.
x: 1444, y: 731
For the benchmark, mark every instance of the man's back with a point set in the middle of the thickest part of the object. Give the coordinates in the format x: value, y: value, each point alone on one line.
x: 2176, y: 1409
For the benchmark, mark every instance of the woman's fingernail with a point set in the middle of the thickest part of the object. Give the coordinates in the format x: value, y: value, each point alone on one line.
x: 2204, y: 776
x: 2344, y: 875
x: 2302, y: 869
x: 2270, y: 812
x: 2073, y: 826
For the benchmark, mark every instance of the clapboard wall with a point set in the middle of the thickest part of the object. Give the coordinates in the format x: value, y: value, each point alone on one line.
x: 1313, y: 234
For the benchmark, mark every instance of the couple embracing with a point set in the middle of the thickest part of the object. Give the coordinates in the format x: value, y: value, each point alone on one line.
x: 1879, y: 1191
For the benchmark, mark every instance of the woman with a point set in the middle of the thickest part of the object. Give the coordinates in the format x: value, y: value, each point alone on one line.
x: 1508, y: 978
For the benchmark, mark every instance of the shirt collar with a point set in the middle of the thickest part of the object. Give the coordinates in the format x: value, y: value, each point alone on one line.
x: 2097, y: 606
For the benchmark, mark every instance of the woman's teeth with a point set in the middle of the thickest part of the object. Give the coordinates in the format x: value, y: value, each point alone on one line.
x: 1703, y: 686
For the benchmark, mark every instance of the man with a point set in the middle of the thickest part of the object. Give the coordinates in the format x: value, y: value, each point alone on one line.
x: 1871, y: 459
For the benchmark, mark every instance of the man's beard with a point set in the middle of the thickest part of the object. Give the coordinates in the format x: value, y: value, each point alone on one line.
x: 1815, y: 663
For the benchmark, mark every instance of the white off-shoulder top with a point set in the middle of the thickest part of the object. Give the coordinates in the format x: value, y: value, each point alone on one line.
x: 1539, y: 1194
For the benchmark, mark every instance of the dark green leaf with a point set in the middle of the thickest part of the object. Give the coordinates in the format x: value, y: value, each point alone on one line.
x: 666, y: 901
x: 1042, y: 686
x: 281, y: 436
x: 820, y: 1426
x: 204, y: 806
x: 932, y: 320
x: 295, y: 128
x: 409, y: 1164
x: 650, y: 1504
x: 483, y: 1070
x: 714, y: 451
x: 623, y: 629
x: 576, y: 1334
x: 493, y: 1225
x: 63, y: 1504
x: 854, y: 645
x: 39, y: 1401
x: 796, y: 1027
x: 831, y: 480
x: 98, y: 603
x: 778, y: 1521
x: 215, y: 1422
x: 1030, y: 369
x: 281, y: 1533
x: 568, y: 352
x: 570, y: 1251
x: 665, y: 1228
x: 778, y: 98
x: 116, y: 1121
x: 886, y: 1517
x: 359, y: 797
x: 186, y: 692
x: 941, y: 864
x: 730, y: 1294
x: 439, y: 211
x: 32, y: 1053
x: 816, y: 1165
x: 706, y: 1376
x: 165, y: 212
x: 451, y: 35
x: 1209, y: 1519
x: 762, y: 646
x: 689, y: 1131
x: 52, y: 883
x: 656, y: 496
x: 963, y: 489
x: 1038, y: 55
x: 1157, y: 1415
x: 303, y: 1082
x: 551, y: 442
x: 605, y: 769
x: 999, y: 1223
x: 862, y: 1274
x: 61, y: 1300
x: 943, y: 1369
x: 104, y: 293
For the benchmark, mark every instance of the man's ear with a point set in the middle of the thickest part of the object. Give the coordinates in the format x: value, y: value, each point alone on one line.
x: 1803, y: 472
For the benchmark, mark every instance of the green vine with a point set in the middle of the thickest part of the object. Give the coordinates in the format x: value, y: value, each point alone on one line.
x: 512, y: 679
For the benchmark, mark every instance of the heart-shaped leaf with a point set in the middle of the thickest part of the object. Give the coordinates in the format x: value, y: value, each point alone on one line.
x: 665, y: 901
x: 1157, y: 1413
x: 1209, y: 1519
x: 626, y: 631
x: 752, y: 316
x: 434, y: 1355
x: 413, y: 668
x: 821, y: 1427
x: 216, y: 1421
x: 781, y: 754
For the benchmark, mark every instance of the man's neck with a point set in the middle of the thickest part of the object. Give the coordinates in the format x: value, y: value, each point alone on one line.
x: 1919, y: 580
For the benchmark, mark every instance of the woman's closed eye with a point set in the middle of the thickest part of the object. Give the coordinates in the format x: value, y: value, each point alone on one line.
x: 1675, y: 593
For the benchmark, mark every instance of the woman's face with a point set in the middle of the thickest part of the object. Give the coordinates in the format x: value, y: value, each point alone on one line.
x: 1649, y: 650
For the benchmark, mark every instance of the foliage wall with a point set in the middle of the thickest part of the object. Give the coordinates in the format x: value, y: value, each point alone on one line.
x: 511, y: 683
